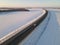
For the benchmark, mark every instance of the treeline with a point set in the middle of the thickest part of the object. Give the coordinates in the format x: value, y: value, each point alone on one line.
x: 12, y: 9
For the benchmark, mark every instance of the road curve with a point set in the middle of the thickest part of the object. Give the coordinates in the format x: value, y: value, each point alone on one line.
x: 33, y: 23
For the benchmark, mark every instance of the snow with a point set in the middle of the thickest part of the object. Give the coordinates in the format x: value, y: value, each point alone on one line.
x: 9, y: 21
x: 47, y: 33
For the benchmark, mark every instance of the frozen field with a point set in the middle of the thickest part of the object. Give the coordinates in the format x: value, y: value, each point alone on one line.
x: 10, y: 21
x: 47, y: 33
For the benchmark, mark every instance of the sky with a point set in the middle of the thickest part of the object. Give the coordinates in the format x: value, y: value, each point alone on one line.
x: 29, y: 3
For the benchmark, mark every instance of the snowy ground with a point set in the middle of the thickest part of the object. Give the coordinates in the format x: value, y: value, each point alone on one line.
x: 47, y: 33
x: 9, y: 21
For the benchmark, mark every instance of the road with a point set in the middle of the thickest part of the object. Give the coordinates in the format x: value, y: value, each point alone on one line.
x: 11, y: 21
x: 47, y: 33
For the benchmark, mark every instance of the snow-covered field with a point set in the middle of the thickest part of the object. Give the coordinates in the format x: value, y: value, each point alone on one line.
x: 58, y: 17
x: 47, y: 33
x: 9, y: 21
x: 57, y: 13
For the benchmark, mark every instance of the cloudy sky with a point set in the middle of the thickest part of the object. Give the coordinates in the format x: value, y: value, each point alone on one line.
x: 29, y: 3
